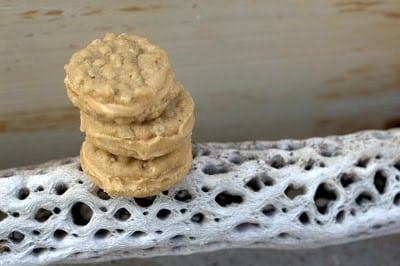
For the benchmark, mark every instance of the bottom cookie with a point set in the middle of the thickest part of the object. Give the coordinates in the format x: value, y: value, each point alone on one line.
x: 126, y: 176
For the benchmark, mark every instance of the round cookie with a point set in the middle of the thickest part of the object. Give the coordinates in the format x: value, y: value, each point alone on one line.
x: 149, y: 112
x: 153, y: 138
x: 125, y: 176
x: 122, y: 78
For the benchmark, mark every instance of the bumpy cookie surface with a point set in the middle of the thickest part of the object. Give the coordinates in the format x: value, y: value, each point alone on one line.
x: 120, y: 77
x: 125, y: 176
x: 145, y: 140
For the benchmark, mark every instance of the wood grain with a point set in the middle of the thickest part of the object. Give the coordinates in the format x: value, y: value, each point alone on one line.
x: 256, y: 69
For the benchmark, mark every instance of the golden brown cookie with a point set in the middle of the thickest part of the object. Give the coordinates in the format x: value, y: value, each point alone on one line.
x: 125, y: 176
x: 144, y: 141
x: 121, y: 78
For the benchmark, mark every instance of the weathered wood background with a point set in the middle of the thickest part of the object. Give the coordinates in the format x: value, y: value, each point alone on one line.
x: 256, y: 69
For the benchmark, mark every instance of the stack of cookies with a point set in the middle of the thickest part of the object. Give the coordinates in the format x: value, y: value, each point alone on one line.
x: 137, y: 119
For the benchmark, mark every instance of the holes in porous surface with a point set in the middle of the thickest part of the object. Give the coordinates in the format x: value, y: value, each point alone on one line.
x: 4, y: 249
x: 177, y: 237
x: 236, y: 159
x: 59, y: 234
x: 246, y: 226
x: 15, y: 214
x: 102, y: 194
x: 80, y: 182
x: 122, y: 214
x: 380, y: 181
x: 318, y: 222
x: 304, y: 218
x: 183, y: 195
x: 103, y: 209
x: 397, y: 165
x: 145, y: 202
x: 39, y: 189
x: 3, y: 216
x: 197, y: 218
x: 163, y: 214
x: 362, y: 162
x: 36, y: 232
x: 377, y: 226
x: 340, y: 216
x: 38, y: 251
x: 309, y: 165
x: 283, y: 235
x: 102, y: 233
x: 183, y: 211
x: 42, y: 215
x: 16, y: 236
x: 267, y: 180
x: 364, y: 198
x: 277, y: 162
x: 60, y: 188
x: 254, y: 184
x: 396, y: 199
x: 205, y: 189
x: 205, y: 152
x: 284, y: 210
x: 23, y: 193
x: 292, y: 191
x: 269, y: 210
x: 56, y: 210
x: 165, y: 192
x: 347, y: 179
x: 120, y: 231
x: 159, y: 232
x: 225, y: 199
x: 81, y: 213
x: 215, y: 169
x: 323, y: 196
x: 138, y: 234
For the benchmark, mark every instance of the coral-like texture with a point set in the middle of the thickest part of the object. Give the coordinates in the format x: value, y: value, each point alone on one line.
x: 284, y: 194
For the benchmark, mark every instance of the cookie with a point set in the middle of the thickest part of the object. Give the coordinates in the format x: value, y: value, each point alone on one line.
x: 121, y: 78
x: 149, y: 112
x: 145, y: 140
x: 125, y: 176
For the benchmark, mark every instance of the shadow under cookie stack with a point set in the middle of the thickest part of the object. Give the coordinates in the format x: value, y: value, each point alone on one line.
x: 137, y: 119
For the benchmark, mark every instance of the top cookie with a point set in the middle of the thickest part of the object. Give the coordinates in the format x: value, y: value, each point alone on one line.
x: 119, y: 76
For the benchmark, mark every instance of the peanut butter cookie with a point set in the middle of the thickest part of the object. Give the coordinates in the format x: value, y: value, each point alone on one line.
x: 126, y: 176
x: 153, y: 138
x: 121, y: 78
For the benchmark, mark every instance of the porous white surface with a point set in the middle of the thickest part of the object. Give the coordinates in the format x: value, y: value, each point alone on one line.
x: 287, y: 194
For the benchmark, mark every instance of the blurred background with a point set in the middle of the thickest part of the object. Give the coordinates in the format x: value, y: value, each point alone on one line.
x: 256, y: 69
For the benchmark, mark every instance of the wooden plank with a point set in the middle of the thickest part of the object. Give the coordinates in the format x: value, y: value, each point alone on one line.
x: 257, y: 69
